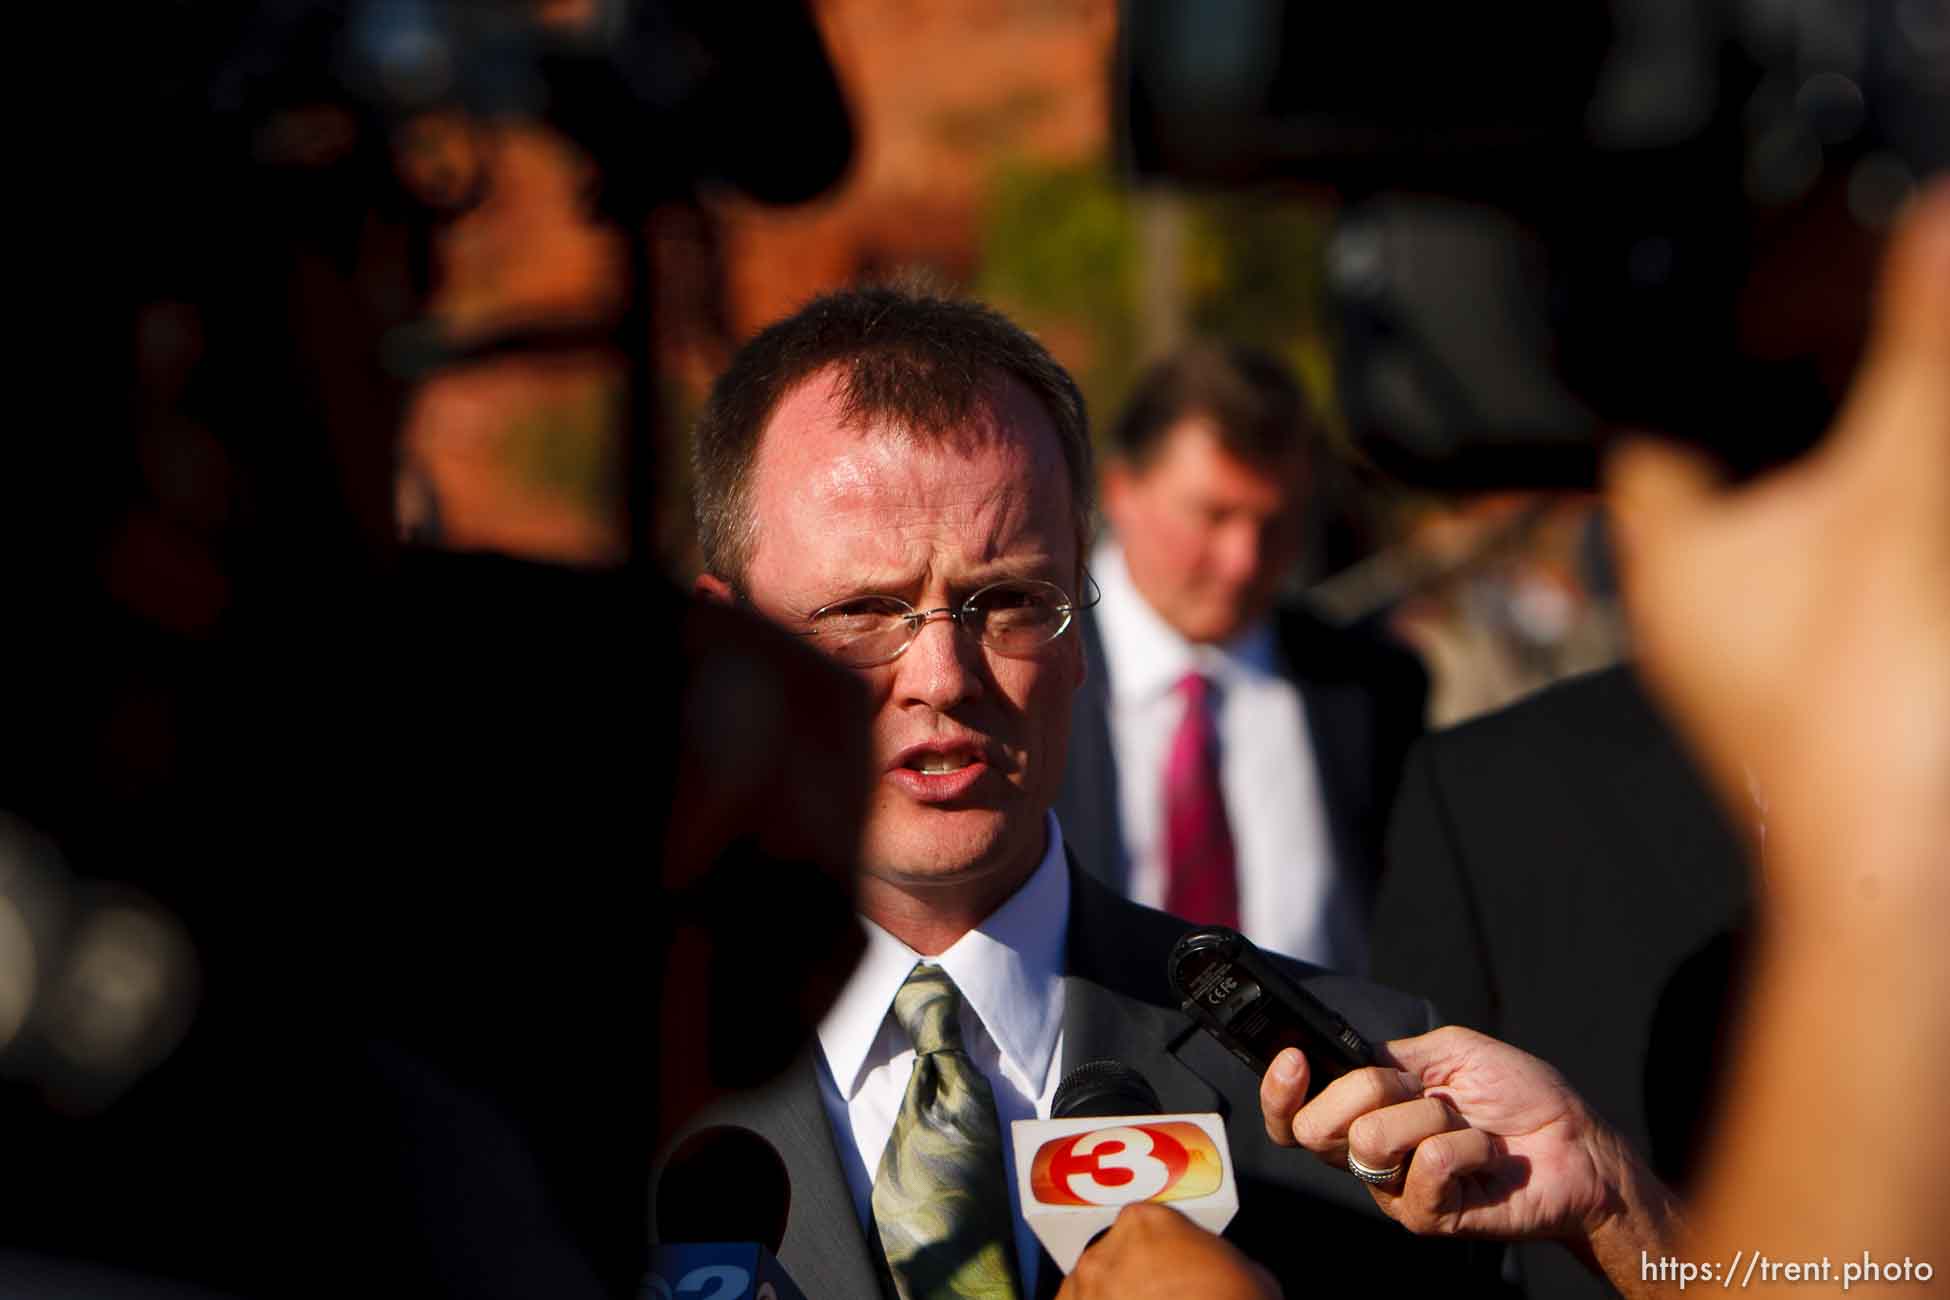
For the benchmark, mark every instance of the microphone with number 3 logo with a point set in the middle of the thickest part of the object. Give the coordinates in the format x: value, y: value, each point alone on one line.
x: 1106, y: 1146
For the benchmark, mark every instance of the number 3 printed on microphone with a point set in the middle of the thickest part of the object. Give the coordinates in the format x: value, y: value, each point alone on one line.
x: 1125, y: 1164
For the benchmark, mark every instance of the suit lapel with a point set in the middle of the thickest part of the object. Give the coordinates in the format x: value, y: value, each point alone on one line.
x: 1106, y: 1017
x: 824, y: 1248
x: 1116, y: 1008
x: 1087, y: 804
x: 1100, y: 1024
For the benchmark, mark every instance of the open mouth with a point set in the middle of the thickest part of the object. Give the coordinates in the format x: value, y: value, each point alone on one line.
x: 939, y: 764
x: 939, y: 773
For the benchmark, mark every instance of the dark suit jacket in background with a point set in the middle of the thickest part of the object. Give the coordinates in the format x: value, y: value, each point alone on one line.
x: 1365, y: 701
x: 1559, y: 877
x: 1306, y: 1222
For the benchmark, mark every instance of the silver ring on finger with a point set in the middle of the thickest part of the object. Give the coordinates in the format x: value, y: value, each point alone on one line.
x: 1371, y: 1176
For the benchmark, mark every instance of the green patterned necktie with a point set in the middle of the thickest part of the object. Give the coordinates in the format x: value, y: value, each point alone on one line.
x: 941, y: 1199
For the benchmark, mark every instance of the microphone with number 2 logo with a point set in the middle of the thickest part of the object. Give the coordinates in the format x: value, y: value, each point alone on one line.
x: 721, y: 1210
x: 1106, y: 1146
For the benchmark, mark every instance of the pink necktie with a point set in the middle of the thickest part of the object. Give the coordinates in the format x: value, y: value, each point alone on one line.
x: 1201, y: 875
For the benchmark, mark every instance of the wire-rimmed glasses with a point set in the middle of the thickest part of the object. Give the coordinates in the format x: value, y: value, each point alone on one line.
x: 1015, y: 617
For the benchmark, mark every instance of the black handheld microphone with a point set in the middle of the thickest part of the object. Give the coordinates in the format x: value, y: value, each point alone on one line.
x: 722, y: 1202
x: 1240, y: 998
x: 1106, y: 1146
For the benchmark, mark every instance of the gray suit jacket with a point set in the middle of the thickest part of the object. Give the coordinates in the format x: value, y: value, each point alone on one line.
x: 1301, y: 1219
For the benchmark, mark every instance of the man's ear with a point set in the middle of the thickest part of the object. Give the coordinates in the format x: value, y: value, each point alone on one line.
x: 1114, y: 488
x: 709, y: 586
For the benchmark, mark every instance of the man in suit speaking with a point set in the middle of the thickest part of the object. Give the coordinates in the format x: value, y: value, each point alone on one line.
x: 1212, y: 706
x: 905, y: 480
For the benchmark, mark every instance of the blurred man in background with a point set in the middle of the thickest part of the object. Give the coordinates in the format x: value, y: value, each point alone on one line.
x: 1235, y: 757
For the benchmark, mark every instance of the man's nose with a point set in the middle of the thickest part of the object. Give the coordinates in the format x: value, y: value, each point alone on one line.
x: 943, y: 667
x: 1239, y: 550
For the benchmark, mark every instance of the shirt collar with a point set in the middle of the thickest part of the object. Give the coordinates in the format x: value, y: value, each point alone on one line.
x: 1009, y: 970
x: 1145, y: 656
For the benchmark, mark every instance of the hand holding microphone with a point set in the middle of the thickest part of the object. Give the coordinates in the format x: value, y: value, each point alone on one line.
x: 1483, y: 1140
x: 1153, y: 1251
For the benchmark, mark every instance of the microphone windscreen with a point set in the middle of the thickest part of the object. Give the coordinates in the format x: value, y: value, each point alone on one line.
x: 1099, y: 1088
x: 724, y: 1183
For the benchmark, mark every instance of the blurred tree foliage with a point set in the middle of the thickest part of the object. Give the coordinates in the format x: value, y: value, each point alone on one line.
x: 567, y: 446
x: 1062, y: 251
x: 1061, y: 254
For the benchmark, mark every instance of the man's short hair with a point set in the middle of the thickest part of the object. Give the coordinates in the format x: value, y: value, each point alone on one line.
x: 903, y: 353
x: 1251, y: 397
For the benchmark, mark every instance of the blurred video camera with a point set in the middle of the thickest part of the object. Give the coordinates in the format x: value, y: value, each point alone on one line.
x: 660, y: 94
x: 1564, y: 219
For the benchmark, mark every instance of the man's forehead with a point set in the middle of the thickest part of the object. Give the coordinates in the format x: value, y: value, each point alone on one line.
x: 1196, y: 445
x: 816, y: 424
x: 839, y: 501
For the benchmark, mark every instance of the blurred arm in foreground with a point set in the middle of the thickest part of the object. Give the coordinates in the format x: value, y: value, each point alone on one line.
x: 1798, y: 629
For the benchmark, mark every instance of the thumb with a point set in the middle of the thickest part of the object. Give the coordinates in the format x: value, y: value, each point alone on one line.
x: 1913, y: 295
x: 1902, y: 390
x: 1434, y: 1052
x: 1652, y: 486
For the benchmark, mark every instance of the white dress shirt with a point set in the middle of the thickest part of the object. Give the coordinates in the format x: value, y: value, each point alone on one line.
x: 1010, y: 973
x: 1291, y: 896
